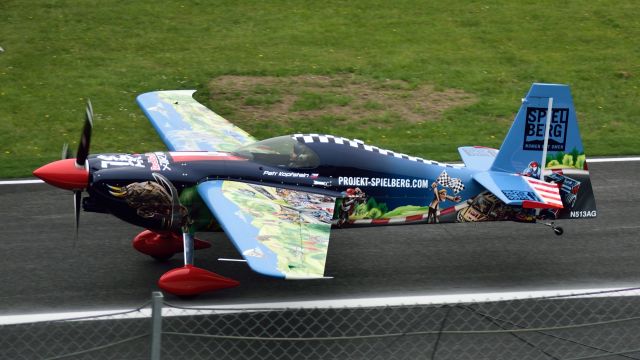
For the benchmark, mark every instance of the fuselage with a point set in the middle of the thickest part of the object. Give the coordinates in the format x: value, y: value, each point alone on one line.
x: 342, y: 168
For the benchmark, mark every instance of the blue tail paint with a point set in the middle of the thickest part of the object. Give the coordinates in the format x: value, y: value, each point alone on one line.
x: 564, y: 162
x: 524, y: 142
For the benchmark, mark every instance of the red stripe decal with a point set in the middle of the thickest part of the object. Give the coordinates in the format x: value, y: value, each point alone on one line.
x: 178, y: 158
x: 527, y: 204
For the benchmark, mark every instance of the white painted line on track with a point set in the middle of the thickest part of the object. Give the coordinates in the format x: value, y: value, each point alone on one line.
x: 589, y: 160
x: 32, y: 318
x: 97, y: 315
x: 617, y: 159
x: 21, y: 182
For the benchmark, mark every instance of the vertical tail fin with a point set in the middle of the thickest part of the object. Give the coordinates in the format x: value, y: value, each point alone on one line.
x: 563, y: 161
x: 524, y: 142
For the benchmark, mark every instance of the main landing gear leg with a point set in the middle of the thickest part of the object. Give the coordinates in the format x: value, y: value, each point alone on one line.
x: 190, y: 280
x: 556, y: 229
x: 163, y: 245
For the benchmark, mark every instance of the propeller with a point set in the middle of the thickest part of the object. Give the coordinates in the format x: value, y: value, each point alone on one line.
x: 66, y: 153
x: 85, y: 138
x: 69, y: 173
x: 81, y: 159
x: 77, y: 195
x: 77, y: 199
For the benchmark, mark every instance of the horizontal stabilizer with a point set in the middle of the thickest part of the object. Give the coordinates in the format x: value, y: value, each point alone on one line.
x: 518, y: 190
x: 478, y: 157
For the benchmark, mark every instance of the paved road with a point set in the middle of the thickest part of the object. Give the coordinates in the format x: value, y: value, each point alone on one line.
x: 41, y: 271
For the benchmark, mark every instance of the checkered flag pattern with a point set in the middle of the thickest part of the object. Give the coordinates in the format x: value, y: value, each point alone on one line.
x: 359, y: 144
x: 447, y: 181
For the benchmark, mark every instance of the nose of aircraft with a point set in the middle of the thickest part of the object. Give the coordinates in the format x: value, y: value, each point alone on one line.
x: 64, y: 174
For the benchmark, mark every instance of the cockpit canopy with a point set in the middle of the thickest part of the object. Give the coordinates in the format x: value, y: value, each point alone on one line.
x: 282, y: 151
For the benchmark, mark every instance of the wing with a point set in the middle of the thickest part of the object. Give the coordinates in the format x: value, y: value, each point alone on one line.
x: 186, y: 125
x: 514, y: 189
x: 280, y: 232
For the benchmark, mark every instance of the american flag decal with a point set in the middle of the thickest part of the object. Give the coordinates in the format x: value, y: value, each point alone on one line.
x: 548, y: 192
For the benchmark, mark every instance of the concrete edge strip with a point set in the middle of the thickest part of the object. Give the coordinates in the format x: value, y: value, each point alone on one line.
x: 614, y: 159
x: 169, y: 311
x: 594, y: 160
x: 21, y: 182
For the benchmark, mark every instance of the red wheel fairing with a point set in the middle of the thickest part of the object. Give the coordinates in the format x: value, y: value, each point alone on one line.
x: 190, y: 280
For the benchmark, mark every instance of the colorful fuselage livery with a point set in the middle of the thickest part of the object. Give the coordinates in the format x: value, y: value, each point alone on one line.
x: 278, y: 199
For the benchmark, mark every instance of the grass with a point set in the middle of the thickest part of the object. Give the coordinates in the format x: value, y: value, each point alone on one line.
x: 372, y: 105
x: 59, y: 53
x: 262, y: 95
x: 319, y: 101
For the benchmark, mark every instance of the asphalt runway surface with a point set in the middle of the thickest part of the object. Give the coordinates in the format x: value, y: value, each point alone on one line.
x: 42, y: 271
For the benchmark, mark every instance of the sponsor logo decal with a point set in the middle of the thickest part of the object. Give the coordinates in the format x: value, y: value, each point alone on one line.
x: 158, y: 161
x: 322, y: 183
x: 383, y: 182
x: 163, y: 160
x: 519, y: 195
x: 285, y: 174
x: 534, y: 129
x: 121, y: 160
x: 152, y: 159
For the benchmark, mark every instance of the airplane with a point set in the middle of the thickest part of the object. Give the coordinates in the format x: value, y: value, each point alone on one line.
x: 278, y: 199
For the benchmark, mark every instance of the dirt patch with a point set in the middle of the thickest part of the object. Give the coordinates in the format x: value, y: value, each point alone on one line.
x: 351, y: 98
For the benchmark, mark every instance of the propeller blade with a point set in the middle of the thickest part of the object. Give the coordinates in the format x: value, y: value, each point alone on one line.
x: 77, y: 198
x: 85, y: 139
x: 66, y: 153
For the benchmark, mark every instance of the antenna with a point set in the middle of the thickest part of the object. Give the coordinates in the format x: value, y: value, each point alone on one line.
x: 546, y: 138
